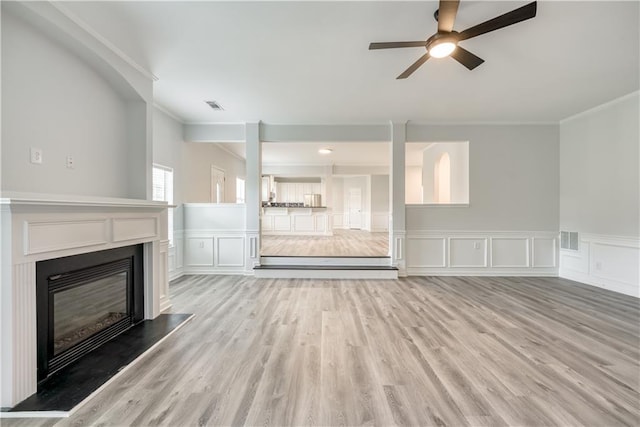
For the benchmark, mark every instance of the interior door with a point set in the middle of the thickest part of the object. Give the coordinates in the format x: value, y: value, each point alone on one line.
x: 355, y: 208
x: 217, y: 185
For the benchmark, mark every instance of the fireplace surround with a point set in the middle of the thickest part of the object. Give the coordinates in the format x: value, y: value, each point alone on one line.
x: 36, y: 228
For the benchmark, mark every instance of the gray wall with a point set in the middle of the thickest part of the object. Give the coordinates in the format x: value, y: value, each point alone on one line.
x: 197, y: 161
x: 53, y: 100
x: 379, y: 193
x: 513, y: 178
x: 599, y: 162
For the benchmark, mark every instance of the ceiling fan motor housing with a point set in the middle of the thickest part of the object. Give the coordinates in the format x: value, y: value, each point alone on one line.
x: 438, y: 38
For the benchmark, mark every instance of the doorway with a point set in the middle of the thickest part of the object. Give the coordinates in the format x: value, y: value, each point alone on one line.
x: 355, y: 208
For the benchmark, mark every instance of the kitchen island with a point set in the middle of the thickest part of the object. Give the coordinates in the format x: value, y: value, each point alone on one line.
x: 302, y: 221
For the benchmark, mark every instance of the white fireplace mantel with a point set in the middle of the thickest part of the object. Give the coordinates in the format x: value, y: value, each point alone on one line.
x: 36, y: 227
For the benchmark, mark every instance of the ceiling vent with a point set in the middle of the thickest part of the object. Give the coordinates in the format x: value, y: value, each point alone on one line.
x: 215, y: 106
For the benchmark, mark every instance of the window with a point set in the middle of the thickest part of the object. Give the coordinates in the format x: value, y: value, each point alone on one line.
x: 163, y: 191
x: 239, y: 190
x: 437, y: 173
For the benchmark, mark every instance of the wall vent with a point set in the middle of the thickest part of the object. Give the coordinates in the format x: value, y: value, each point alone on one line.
x: 214, y: 105
x: 569, y: 240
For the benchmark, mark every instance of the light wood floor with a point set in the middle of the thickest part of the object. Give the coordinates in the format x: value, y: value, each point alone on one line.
x: 342, y: 243
x: 418, y: 351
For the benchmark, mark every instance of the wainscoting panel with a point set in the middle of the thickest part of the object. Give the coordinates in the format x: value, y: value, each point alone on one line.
x: 609, y: 262
x: 176, y: 255
x: 40, y: 237
x: 479, y: 253
x: 282, y: 223
x: 509, y: 252
x: 544, y: 252
x: 467, y: 252
x: 303, y: 223
x: 321, y: 223
x: 199, y: 252
x: 338, y: 220
x: 379, y: 221
x: 230, y: 252
x: 267, y: 222
x: 425, y: 252
x: 24, y: 373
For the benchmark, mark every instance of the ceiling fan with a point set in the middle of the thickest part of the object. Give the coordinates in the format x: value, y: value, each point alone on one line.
x: 445, y: 42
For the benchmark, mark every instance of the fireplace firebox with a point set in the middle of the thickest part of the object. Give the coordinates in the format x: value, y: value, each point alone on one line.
x: 85, y: 300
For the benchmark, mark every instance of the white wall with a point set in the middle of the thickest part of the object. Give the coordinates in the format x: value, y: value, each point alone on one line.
x: 600, y: 195
x: 459, y: 160
x: 53, y: 100
x: 197, y: 161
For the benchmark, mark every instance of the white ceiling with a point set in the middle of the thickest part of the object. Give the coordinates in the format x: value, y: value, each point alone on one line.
x: 308, y: 62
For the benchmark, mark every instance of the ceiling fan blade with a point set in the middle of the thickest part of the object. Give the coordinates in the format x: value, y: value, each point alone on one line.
x: 523, y: 13
x: 466, y: 58
x: 447, y: 15
x: 414, y: 66
x: 392, y: 45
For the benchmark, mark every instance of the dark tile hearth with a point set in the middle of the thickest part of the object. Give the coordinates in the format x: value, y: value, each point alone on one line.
x: 68, y: 387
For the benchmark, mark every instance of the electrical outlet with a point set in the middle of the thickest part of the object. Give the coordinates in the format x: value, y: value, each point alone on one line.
x: 36, y: 155
x: 476, y: 245
x: 201, y: 245
x: 70, y: 162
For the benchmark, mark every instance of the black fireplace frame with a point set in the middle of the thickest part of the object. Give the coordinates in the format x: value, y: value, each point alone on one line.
x: 58, y: 274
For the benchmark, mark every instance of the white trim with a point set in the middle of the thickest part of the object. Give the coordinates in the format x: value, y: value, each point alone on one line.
x: 438, y: 205
x: 36, y: 199
x: 479, y: 123
x: 597, y: 263
x: 527, y: 242
x: 414, y: 271
x: 325, y: 274
x: 485, y: 252
x: 421, y: 263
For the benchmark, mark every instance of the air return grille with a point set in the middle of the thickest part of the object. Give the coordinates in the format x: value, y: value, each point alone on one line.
x: 569, y: 240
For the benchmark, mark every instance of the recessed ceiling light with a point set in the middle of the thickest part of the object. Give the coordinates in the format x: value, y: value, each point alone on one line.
x: 214, y: 105
x: 325, y: 151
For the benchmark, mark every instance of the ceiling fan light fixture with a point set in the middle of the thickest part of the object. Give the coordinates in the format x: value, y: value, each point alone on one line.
x: 442, y: 49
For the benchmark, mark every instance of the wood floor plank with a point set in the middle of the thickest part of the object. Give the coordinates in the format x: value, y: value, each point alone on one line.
x: 342, y: 243
x: 442, y: 351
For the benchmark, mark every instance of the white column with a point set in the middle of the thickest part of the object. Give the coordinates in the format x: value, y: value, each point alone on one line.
x: 397, y: 228
x: 252, y: 196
